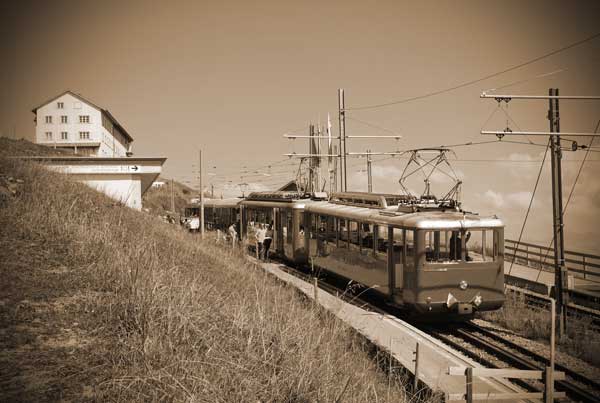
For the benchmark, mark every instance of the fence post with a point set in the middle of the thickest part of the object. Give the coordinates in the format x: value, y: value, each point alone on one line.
x: 469, y: 385
x: 548, y: 385
x: 549, y: 372
x: 583, y: 257
x: 527, y: 255
x: 416, y: 360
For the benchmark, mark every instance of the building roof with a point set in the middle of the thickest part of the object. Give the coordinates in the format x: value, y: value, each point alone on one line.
x: 87, y: 101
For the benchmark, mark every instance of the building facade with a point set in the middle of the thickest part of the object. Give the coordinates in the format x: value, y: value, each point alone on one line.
x: 69, y: 121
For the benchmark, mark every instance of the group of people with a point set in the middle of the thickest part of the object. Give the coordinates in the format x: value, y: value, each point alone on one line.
x: 229, y: 236
x: 263, y: 234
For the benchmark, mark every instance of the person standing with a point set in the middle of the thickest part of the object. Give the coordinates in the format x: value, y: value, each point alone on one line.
x: 267, y: 242
x: 260, y: 239
x: 232, y: 234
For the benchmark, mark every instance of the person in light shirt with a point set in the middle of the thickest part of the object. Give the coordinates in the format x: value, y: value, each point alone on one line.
x: 261, y: 233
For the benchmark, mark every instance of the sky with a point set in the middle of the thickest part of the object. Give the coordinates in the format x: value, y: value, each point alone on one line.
x: 231, y: 77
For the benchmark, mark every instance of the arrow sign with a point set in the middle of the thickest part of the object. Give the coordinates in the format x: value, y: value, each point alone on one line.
x: 134, y: 168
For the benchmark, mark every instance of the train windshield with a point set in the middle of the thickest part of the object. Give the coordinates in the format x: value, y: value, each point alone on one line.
x: 480, y: 245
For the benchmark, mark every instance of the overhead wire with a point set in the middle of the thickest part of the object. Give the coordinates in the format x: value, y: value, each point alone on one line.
x: 526, y: 80
x: 373, y: 125
x: 537, y: 181
x: 477, y: 80
x: 564, y: 210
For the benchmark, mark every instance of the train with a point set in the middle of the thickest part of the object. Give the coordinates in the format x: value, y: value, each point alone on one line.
x: 423, y: 256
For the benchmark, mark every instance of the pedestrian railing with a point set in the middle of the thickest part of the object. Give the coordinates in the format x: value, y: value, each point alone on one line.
x: 548, y: 376
x: 582, y: 265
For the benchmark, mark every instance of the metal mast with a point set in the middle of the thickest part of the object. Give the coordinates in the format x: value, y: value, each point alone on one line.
x: 342, y: 127
x: 560, y: 271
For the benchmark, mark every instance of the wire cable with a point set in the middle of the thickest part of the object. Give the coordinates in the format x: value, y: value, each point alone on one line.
x: 526, y: 80
x: 477, y: 80
x: 564, y: 210
x: 373, y: 125
x: 537, y: 181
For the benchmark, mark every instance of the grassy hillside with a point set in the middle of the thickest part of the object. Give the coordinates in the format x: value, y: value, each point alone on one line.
x: 102, y: 303
x: 158, y: 200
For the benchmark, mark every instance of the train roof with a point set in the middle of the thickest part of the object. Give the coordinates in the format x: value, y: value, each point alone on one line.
x: 435, y: 219
x: 370, y: 200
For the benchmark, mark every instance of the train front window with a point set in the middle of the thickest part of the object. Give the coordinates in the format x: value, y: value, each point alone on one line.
x: 479, y: 245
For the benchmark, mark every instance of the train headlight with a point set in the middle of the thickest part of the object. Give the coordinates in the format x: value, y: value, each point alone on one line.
x: 463, y: 285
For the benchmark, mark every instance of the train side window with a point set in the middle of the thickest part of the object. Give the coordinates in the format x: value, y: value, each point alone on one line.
x: 353, y: 236
x: 409, y: 248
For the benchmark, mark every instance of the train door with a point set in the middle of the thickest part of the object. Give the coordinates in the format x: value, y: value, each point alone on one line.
x: 278, y: 231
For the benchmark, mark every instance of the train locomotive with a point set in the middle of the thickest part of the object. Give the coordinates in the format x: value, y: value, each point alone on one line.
x: 423, y: 256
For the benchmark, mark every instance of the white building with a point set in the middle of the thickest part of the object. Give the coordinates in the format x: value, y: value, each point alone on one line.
x: 69, y: 121
x: 124, y: 179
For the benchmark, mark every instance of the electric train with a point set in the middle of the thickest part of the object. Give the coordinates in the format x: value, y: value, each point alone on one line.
x: 423, y: 256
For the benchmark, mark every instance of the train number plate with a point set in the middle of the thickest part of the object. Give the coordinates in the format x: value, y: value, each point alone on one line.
x: 465, y: 309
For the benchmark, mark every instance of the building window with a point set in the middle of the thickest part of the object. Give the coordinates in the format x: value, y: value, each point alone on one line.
x: 48, y: 135
x: 48, y: 119
x: 64, y: 119
x: 84, y: 118
x: 60, y: 105
x: 84, y: 135
x: 64, y: 136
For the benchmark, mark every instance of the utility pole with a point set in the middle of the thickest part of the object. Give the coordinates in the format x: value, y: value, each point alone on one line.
x: 311, y: 160
x: 340, y: 153
x: 201, y: 194
x: 173, y: 195
x: 342, y: 128
x: 369, y: 177
x: 212, y: 191
x: 560, y: 270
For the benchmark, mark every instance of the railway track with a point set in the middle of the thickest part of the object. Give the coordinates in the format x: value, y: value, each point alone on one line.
x: 576, y: 386
x: 516, y: 356
x: 539, y: 301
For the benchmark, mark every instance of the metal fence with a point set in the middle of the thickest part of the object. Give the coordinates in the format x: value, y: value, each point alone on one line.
x: 582, y: 265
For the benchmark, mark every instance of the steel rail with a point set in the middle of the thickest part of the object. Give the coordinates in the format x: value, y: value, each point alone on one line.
x: 572, y: 390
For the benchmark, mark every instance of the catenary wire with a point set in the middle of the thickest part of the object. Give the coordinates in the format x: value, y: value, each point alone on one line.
x: 480, y: 79
x: 537, y: 181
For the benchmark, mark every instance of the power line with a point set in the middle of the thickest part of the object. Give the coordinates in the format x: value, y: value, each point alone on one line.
x: 526, y: 80
x: 573, y: 187
x: 537, y: 181
x: 475, y: 81
x: 372, y: 125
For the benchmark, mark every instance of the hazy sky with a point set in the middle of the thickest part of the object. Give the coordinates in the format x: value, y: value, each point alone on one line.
x: 232, y: 77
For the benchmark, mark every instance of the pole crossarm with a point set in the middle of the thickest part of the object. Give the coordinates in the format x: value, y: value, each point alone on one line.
x: 502, y: 97
x: 304, y: 155
x: 521, y: 133
x: 293, y: 136
x: 374, y: 137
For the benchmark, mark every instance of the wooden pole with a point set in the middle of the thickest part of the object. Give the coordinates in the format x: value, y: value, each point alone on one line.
x: 201, y: 194
x: 416, y: 379
x: 173, y: 196
x: 369, y: 177
x: 469, y: 385
x: 342, y: 129
x: 316, y: 289
x: 549, y: 373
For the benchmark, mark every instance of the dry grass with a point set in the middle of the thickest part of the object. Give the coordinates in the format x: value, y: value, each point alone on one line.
x: 581, y: 340
x: 101, y: 303
x: 158, y: 200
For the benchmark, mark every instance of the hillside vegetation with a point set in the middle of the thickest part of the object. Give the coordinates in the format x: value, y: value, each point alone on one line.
x: 158, y: 200
x: 102, y: 303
